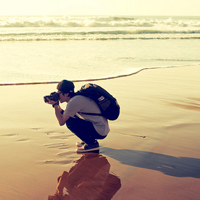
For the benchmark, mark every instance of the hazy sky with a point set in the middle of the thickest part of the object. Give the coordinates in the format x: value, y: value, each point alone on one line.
x: 100, y: 7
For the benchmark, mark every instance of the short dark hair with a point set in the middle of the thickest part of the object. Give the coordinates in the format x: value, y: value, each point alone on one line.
x: 66, y: 86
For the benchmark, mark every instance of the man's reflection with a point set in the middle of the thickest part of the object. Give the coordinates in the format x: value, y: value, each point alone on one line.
x: 88, y: 179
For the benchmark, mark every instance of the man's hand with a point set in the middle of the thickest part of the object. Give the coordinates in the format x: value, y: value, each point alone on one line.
x: 52, y: 102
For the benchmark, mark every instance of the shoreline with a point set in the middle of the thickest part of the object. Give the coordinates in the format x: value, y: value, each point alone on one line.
x: 95, y: 79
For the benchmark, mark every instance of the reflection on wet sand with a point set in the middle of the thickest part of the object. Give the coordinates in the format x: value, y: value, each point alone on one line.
x: 88, y: 179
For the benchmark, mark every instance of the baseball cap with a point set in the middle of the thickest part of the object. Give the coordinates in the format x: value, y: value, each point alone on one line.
x: 65, y: 86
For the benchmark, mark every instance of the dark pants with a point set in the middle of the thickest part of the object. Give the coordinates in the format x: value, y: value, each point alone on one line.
x: 83, y: 129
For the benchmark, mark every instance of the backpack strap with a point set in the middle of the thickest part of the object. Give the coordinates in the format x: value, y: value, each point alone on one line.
x: 95, y: 114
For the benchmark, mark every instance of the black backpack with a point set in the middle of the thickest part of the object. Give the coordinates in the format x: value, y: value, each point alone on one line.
x: 107, y: 103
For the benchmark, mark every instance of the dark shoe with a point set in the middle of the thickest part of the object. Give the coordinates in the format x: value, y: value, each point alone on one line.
x: 88, y: 148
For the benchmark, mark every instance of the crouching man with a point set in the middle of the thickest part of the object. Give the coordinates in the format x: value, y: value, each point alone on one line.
x: 89, y: 128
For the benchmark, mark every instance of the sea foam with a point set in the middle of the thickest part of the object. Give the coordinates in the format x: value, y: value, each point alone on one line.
x: 46, y: 28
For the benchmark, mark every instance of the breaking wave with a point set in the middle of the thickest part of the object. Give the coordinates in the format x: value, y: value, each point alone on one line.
x: 100, y: 35
x: 45, y: 28
x: 96, y: 21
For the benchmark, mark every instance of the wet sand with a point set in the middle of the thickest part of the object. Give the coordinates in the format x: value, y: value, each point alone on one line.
x: 152, y: 151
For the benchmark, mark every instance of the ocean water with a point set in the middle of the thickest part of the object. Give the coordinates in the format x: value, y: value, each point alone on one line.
x: 52, y: 48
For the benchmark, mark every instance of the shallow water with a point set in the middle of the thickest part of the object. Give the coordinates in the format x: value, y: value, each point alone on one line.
x: 39, y: 49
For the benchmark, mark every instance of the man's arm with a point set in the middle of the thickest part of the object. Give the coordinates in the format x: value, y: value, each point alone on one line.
x: 62, y: 118
x: 58, y: 112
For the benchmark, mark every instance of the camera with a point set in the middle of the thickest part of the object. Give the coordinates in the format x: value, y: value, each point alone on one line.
x: 53, y: 96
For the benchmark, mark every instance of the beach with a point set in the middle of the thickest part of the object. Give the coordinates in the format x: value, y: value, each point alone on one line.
x: 152, y: 150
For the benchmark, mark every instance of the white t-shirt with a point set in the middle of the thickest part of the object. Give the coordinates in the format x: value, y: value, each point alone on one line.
x: 80, y: 103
